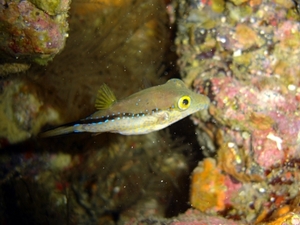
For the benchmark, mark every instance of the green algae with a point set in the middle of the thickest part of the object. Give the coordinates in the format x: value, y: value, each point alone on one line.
x: 218, y: 6
x: 51, y: 7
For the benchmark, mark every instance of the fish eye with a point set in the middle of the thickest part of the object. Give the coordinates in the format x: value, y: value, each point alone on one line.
x: 184, y: 102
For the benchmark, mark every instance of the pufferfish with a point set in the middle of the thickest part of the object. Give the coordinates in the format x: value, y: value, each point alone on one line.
x: 146, y: 111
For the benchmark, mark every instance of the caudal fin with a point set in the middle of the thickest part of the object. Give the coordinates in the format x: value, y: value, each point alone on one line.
x: 57, y: 131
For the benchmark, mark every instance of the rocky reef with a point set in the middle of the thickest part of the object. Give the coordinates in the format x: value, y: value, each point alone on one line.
x: 245, y: 56
x: 236, y: 163
x: 31, y: 32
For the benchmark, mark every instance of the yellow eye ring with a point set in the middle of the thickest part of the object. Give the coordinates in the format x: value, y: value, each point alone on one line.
x: 184, y: 102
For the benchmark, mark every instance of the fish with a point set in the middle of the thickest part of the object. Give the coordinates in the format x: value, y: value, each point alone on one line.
x: 148, y: 110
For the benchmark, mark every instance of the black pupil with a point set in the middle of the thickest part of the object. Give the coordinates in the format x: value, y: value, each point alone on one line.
x: 185, y: 102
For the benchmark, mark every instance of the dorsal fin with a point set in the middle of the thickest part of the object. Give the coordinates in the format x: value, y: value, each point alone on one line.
x: 105, y: 98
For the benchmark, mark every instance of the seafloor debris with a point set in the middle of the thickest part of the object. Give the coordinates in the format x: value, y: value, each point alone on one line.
x: 31, y: 31
x: 245, y: 56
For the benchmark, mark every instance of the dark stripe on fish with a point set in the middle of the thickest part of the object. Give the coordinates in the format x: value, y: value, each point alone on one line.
x: 109, y: 118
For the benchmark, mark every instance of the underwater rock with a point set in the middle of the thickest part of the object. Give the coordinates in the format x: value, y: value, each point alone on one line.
x: 32, y: 33
x: 245, y: 57
x: 86, y: 179
x: 22, y: 111
x: 9, y: 68
x: 208, y: 189
x: 190, y: 217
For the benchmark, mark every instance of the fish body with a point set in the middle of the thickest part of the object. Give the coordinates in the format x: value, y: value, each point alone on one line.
x: 148, y: 110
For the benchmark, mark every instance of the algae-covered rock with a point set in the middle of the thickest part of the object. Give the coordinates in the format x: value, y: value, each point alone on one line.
x: 52, y: 7
x: 251, y: 74
x: 30, y: 33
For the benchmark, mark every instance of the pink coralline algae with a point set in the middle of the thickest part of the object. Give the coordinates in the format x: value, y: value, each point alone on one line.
x: 30, y: 33
x: 245, y: 56
x: 270, y: 116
